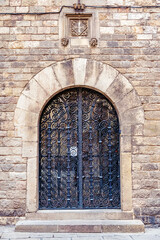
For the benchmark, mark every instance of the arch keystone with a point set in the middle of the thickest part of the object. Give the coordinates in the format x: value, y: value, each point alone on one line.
x: 79, y: 69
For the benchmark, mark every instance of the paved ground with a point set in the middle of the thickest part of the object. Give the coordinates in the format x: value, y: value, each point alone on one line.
x: 9, y: 234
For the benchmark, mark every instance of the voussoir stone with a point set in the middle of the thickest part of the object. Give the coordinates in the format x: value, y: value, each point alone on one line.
x: 119, y: 88
x: 131, y: 100
x: 35, y: 91
x: 106, y: 77
x: 25, y: 118
x: 79, y: 70
x: 64, y: 73
x: 28, y: 104
x: 93, y: 70
x: 46, y: 78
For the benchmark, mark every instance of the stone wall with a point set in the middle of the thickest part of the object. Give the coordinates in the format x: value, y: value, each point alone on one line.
x: 128, y: 40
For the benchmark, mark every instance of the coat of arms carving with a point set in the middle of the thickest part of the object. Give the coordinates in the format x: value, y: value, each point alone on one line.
x: 79, y: 27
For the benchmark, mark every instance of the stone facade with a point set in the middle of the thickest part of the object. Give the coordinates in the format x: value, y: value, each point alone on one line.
x: 127, y: 53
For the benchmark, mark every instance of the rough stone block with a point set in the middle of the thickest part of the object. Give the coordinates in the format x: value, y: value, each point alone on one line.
x: 46, y: 78
x: 142, y: 140
x: 32, y: 183
x: 22, y: 9
x: 133, y: 116
x: 93, y: 69
x: 152, y: 115
x: 138, y: 15
x: 28, y: 104
x: 25, y: 118
x: 15, y: 3
x: 126, y: 182
x: 131, y: 100
x: 125, y: 143
x: 44, y: 30
x: 119, y: 88
x: 138, y: 129
x: 35, y: 91
x: 29, y: 149
x: 64, y: 73
x: 106, y: 77
x: 107, y: 30
x: 150, y: 167
x: 27, y: 133
x: 152, y: 128
x: 45, y: 2
x: 144, y: 36
x: 4, y: 30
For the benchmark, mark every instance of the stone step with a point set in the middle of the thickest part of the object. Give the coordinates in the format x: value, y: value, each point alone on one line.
x: 98, y: 214
x: 80, y: 226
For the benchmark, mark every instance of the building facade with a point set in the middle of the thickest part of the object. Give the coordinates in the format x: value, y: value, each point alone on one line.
x: 62, y: 55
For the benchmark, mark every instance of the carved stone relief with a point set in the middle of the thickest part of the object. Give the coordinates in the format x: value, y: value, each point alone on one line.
x: 79, y: 27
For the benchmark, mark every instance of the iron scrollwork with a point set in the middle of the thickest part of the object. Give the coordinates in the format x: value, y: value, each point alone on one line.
x: 79, y: 152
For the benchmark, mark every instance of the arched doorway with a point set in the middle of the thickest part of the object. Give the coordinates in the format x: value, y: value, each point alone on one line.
x: 66, y: 74
x: 79, y: 152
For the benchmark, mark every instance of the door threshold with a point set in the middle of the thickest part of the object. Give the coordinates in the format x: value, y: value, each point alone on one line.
x: 87, y: 214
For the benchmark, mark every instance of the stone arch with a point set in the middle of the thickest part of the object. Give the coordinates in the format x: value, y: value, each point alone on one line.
x: 66, y: 74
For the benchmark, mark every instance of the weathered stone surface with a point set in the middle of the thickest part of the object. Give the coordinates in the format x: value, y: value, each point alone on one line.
x: 133, y: 116
x: 141, y: 140
x: 29, y: 149
x: 152, y: 115
x: 34, y: 91
x: 47, y: 80
x: 126, y: 143
x: 119, y: 88
x: 93, y: 69
x: 80, y: 226
x: 79, y: 69
x: 25, y: 118
x: 81, y: 215
x: 64, y: 73
x: 126, y: 177
x: 132, y: 101
x: 28, y: 104
x: 27, y: 133
x: 151, y: 128
x: 105, y: 78
x: 32, y: 183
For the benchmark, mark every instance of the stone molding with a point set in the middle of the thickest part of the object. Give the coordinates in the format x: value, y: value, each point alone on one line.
x: 67, y: 74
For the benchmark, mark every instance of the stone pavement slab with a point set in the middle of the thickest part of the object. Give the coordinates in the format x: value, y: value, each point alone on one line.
x: 7, y: 233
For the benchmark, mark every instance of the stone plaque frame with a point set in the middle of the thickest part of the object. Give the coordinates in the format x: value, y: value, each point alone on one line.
x: 65, y: 28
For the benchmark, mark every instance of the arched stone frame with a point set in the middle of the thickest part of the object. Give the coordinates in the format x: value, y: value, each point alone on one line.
x: 71, y: 73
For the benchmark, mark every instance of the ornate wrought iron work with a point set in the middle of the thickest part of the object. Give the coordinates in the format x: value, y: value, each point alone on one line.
x: 79, y: 152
